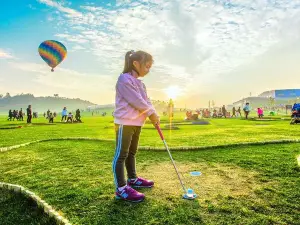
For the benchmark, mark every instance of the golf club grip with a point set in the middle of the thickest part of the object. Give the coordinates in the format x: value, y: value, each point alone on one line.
x: 159, y: 132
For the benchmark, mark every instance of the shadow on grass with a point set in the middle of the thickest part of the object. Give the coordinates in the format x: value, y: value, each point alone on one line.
x: 16, y: 209
x: 152, y: 211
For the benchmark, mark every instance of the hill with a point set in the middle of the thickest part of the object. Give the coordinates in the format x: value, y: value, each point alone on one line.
x: 41, y: 104
x: 265, y: 102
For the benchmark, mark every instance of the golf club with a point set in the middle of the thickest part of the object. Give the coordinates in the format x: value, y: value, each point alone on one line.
x: 188, y: 193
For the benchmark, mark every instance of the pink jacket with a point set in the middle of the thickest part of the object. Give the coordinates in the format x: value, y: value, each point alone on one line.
x: 260, y: 111
x: 132, y: 103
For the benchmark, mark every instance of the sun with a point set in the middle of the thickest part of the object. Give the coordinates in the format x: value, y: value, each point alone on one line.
x: 172, y: 92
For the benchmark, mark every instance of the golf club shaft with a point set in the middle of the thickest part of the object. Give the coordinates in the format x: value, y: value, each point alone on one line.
x: 165, y: 143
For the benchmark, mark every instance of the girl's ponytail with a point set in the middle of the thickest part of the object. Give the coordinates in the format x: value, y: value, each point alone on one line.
x: 131, y: 56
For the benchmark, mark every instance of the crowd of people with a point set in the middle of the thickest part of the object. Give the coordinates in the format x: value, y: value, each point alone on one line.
x: 16, y: 114
x: 50, y: 116
x: 68, y: 117
x: 98, y: 112
x: 65, y: 116
x: 223, y: 112
x: 19, y: 114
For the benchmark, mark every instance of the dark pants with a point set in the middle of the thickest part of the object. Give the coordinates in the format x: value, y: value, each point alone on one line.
x: 51, y: 120
x: 246, y: 114
x: 21, y: 118
x: 126, y: 147
x: 63, y: 117
x: 29, y: 117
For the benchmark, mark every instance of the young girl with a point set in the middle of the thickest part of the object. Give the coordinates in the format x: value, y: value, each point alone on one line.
x: 64, y: 114
x: 260, y: 113
x: 132, y: 109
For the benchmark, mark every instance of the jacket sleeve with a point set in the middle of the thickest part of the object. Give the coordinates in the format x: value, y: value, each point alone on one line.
x: 129, y: 92
x: 148, y: 99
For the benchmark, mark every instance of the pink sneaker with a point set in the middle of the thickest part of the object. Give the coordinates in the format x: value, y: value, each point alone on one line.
x: 140, y: 183
x: 129, y: 194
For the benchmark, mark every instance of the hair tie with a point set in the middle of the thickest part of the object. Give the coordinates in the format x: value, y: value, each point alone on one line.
x: 131, y: 53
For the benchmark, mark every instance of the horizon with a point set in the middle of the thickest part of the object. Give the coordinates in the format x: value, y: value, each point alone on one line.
x: 203, y: 50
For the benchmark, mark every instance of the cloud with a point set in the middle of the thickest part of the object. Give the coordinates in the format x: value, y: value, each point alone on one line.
x: 5, y: 54
x: 186, y: 33
x: 65, y: 78
x: 90, y: 8
x: 29, y: 67
x: 194, y: 43
x: 80, y: 39
x: 31, y: 7
x: 70, y: 12
x: 78, y: 48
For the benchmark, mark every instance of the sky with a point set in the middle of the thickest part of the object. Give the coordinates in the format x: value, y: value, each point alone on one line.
x: 203, y: 50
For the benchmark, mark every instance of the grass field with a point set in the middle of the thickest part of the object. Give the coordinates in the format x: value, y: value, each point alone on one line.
x: 239, y: 185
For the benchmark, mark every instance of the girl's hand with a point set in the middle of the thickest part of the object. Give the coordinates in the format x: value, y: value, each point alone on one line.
x: 154, y: 119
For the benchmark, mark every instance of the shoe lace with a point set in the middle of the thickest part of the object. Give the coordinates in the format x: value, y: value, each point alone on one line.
x: 130, y: 190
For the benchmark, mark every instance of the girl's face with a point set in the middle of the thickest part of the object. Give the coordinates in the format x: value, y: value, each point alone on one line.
x: 142, y: 68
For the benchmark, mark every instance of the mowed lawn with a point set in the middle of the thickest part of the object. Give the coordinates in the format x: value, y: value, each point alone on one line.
x: 219, y: 132
x: 239, y: 185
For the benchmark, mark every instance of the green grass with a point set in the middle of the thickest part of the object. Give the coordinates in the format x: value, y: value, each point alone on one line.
x: 239, y: 185
x: 16, y: 209
x: 220, y: 131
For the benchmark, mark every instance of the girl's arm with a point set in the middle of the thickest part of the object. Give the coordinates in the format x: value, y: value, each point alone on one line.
x: 133, y: 97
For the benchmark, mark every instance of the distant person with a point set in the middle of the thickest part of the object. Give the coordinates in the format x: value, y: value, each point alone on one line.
x: 77, y: 116
x: 207, y: 113
x: 17, y: 114
x: 189, y: 115
x: 10, y: 115
x: 238, y: 112
x: 54, y: 114
x: 29, y: 114
x: 45, y: 115
x: 224, y: 111
x: 14, y: 115
x: 51, y: 118
x: 246, y: 110
x: 260, y: 113
x: 21, y: 114
x: 233, y: 112
x: 64, y: 114
x: 70, y: 117
x: 294, y: 107
x: 215, y: 115
x: 48, y: 114
x: 220, y: 114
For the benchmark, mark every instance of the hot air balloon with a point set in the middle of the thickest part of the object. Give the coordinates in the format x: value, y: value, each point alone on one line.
x: 52, y: 52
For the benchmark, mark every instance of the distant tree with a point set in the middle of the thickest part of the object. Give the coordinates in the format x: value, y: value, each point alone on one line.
x: 7, y: 95
x: 56, y: 95
x: 1, y: 95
